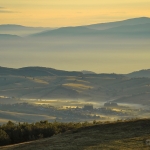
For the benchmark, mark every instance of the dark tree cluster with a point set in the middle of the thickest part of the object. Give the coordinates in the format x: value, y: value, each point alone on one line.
x: 12, y: 133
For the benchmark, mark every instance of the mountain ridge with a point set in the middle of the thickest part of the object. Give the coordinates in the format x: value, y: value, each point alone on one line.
x: 88, y: 29
x: 35, y: 71
x: 129, y: 21
x: 123, y: 28
x: 55, y: 72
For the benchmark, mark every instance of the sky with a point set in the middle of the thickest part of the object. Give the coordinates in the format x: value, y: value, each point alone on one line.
x: 60, y: 13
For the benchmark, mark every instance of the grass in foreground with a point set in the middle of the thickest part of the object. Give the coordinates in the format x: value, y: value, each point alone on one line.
x: 121, y: 135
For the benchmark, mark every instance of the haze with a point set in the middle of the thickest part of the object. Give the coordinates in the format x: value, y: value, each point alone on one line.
x: 122, y: 47
x: 99, y: 62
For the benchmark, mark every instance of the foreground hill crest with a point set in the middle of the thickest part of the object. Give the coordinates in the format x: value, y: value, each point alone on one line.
x: 99, y: 136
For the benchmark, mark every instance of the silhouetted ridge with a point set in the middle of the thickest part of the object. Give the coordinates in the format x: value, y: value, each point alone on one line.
x: 108, y: 25
x: 68, y: 31
x: 37, y: 71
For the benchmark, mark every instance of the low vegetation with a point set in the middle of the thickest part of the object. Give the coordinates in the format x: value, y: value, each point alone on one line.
x: 124, y: 135
x: 12, y: 133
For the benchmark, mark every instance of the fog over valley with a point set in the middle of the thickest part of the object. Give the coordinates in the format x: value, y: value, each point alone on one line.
x: 119, y: 47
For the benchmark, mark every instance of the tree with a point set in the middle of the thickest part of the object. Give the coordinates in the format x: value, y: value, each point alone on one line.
x: 4, y: 138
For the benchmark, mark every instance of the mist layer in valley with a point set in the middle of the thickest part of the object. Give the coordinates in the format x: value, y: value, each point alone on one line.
x: 35, y: 93
x: 119, y: 47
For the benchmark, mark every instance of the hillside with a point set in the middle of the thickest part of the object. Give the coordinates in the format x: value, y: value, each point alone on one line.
x: 48, y: 83
x: 140, y: 73
x: 126, y: 135
x: 27, y: 94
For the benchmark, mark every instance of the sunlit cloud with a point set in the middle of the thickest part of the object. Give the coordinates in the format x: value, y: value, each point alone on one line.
x: 6, y: 10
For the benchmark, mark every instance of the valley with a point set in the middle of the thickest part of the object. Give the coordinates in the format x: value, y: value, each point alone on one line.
x: 33, y: 94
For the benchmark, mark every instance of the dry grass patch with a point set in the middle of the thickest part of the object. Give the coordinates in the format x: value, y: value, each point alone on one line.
x: 77, y: 86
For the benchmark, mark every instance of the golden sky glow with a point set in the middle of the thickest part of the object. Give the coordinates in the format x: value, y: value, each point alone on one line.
x: 70, y: 13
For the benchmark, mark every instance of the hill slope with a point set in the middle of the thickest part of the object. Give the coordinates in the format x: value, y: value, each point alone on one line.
x: 127, y: 135
x: 40, y: 83
x: 140, y: 73
x: 133, y: 21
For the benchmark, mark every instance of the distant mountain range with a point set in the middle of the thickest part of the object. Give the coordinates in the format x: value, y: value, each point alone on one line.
x: 130, y: 26
x: 20, y: 30
x: 133, y: 31
x: 102, y: 42
x: 128, y: 22
x: 43, y: 71
x: 133, y: 27
x: 67, y: 31
x: 127, y: 34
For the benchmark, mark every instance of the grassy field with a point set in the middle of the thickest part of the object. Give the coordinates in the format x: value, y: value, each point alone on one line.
x: 121, y: 135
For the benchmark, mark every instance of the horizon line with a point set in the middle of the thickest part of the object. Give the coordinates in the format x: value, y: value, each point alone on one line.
x: 72, y: 70
x: 78, y: 25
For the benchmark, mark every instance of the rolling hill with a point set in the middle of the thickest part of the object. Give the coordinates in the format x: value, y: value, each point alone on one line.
x: 48, y: 83
x: 140, y: 73
x: 104, y: 136
x: 37, y: 71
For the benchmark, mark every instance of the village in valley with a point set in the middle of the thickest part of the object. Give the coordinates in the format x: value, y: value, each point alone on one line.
x: 32, y: 111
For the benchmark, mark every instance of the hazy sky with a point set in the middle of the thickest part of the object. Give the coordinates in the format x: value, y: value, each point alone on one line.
x: 57, y: 13
x: 68, y: 12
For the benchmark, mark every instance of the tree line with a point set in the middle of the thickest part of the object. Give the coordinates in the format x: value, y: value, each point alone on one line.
x: 12, y: 133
